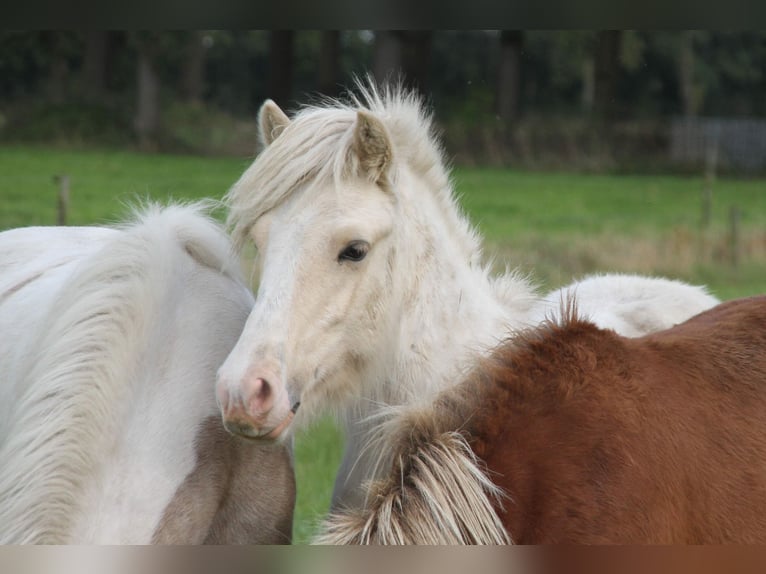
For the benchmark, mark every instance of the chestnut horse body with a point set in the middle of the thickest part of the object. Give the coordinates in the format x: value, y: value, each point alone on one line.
x: 592, y: 438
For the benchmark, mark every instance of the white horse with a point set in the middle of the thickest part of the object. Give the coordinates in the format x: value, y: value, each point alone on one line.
x: 109, y: 429
x: 372, y: 290
x: 631, y: 305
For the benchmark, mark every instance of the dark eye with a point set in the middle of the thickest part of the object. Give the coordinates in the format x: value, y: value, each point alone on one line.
x: 354, y: 251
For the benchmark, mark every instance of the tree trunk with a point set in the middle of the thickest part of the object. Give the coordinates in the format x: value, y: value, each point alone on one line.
x: 329, y: 62
x: 194, y: 68
x: 689, y: 99
x: 281, y: 66
x: 59, y: 69
x: 387, y: 58
x: 509, y: 75
x: 93, y: 78
x: 147, y: 119
x: 607, y: 68
x: 588, y: 83
x: 417, y: 59
x: 404, y: 55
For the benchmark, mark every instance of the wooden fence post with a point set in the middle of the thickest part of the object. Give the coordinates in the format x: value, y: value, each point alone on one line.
x: 735, y: 215
x: 711, y: 162
x: 63, y: 198
x: 706, y: 215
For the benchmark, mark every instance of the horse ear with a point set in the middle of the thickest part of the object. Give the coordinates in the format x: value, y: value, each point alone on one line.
x: 271, y: 122
x: 371, y: 145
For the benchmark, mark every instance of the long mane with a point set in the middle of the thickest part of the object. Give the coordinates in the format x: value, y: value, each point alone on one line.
x: 437, y: 491
x: 315, y: 148
x: 79, y: 374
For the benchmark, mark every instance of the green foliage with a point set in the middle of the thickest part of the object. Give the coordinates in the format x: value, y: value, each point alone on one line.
x: 72, y: 123
x: 26, y: 57
x: 45, y: 95
x: 191, y: 128
x: 462, y: 83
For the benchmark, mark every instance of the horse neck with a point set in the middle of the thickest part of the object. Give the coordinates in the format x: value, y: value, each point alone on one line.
x: 450, y: 307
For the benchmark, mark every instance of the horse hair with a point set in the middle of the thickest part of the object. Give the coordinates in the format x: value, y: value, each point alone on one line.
x: 86, y: 357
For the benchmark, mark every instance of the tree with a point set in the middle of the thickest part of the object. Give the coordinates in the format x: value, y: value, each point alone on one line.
x: 281, y: 56
x: 193, y: 80
x: 417, y: 59
x: 58, y: 44
x: 329, y: 62
x: 606, y: 71
x: 509, y: 75
x: 147, y: 118
x: 405, y: 55
x: 93, y: 73
x: 387, y: 55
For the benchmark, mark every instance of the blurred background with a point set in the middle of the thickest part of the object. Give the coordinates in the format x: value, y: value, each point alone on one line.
x: 592, y: 100
x: 574, y: 152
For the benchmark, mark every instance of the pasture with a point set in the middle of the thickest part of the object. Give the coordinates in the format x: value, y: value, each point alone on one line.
x: 554, y: 226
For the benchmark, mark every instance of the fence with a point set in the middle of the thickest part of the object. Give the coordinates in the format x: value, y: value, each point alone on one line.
x: 739, y: 143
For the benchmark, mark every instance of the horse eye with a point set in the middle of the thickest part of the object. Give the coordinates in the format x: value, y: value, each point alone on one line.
x: 354, y: 251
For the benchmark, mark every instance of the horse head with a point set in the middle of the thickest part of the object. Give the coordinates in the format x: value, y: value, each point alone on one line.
x: 323, y: 231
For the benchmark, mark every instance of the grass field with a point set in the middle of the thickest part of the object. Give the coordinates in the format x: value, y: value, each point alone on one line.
x: 554, y: 226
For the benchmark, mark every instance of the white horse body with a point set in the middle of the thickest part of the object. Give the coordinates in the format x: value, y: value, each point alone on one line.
x: 631, y: 305
x: 34, y: 263
x: 112, y: 338
x: 372, y: 289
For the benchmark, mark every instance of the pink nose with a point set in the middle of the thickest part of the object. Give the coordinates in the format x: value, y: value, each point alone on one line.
x: 246, y: 412
x: 257, y: 396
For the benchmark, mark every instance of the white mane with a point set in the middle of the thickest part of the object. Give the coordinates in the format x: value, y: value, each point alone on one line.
x: 437, y: 494
x: 316, y: 148
x: 85, y: 361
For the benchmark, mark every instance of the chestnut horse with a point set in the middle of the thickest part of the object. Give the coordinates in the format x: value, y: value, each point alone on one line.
x: 574, y: 434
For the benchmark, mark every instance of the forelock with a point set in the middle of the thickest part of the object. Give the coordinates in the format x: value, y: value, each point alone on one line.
x: 315, y: 149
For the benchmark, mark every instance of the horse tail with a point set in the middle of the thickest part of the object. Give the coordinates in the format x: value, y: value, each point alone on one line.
x: 87, y: 355
x: 437, y: 493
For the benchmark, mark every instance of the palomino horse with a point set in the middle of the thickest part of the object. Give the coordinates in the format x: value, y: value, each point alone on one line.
x: 574, y: 434
x: 109, y: 429
x: 372, y: 291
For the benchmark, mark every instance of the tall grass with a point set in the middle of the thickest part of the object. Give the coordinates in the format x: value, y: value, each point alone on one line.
x: 558, y: 226
x: 553, y: 225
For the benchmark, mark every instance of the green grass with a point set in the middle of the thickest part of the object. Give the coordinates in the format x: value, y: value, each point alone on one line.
x: 103, y: 182
x: 561, y: 225
x: 318, y: 453
x: 555, y: 225
x: 508, y: 204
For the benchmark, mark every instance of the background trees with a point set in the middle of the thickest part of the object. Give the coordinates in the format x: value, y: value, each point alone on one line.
x: 153, y: 89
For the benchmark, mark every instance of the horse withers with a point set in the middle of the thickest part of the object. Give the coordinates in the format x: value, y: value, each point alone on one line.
x: 372, y: 288
x: 573, y: 434
x: 109, y: 428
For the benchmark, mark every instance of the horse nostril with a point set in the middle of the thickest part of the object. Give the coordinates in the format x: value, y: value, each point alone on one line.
x: 258, y: 396
x: 262, y: 389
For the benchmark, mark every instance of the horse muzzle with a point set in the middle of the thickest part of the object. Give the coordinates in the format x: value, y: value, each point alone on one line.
x: 255, y: 410
x: 245, y: 429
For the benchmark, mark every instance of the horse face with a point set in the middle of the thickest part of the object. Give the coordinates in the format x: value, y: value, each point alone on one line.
x: 324, y: 257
